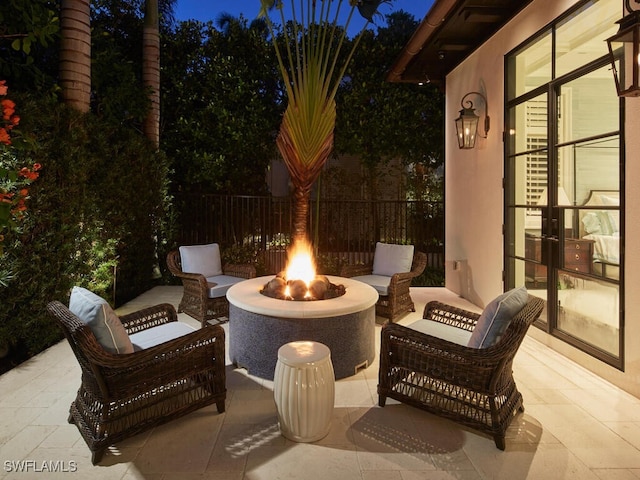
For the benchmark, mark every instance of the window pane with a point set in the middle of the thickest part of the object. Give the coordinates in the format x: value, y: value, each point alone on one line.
x: 590, y: 311
x: 581, y: 38
x: 528, y: 125
x: 588, y: 106
x: 589, y: 166
x: 531, y: 67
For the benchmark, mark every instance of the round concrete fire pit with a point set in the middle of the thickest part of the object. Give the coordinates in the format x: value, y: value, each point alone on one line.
x: 260, y: 325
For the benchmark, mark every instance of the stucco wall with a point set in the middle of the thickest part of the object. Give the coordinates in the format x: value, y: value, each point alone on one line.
x: 474, y: 193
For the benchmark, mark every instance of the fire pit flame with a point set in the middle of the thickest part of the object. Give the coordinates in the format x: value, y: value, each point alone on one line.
x: 299, y: 280
x: 301, y: 265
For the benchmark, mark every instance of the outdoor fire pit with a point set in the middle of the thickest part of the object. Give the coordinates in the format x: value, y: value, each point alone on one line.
x: 259, y: 325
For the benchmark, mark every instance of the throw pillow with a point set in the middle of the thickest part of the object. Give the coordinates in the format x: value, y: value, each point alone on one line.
x: 606, y: 226
x: 390, y: 259
x: 203, y: 259
x: 591, y: 223
x: 98, y: 315
x: 496, y: 317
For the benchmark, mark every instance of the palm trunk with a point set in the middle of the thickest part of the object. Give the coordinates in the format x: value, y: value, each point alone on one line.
x: 151, y: 70
x: 301, y: 214
x: 303, y: 175
x: 75, y: 53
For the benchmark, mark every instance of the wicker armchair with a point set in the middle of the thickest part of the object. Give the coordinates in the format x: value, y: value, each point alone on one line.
x: 398, y: 300
x: 121, y: 395
x: 474, y: 387
x: 196, y: 301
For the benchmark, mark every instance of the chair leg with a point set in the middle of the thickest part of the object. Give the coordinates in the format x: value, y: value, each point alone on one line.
x: 500, y: 441
x: 96, y: 456
x: 382, y: 400
x: 220, y: 405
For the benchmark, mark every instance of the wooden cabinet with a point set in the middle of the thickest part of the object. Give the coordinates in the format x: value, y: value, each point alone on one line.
x: 578, y: 255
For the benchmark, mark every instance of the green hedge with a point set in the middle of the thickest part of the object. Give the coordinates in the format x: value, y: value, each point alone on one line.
x: 97, y: 218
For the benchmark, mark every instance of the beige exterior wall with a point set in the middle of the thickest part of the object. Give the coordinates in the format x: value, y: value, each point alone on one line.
x: 474, y: 193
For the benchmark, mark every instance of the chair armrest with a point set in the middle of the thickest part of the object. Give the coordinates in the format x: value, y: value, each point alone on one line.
x: 402, y: 277
x: 160, y: 364
x: 349, y: 271
x: 185, y: 275
x: 149, y: 317
x: 239, y: 270
x: 450, y: 315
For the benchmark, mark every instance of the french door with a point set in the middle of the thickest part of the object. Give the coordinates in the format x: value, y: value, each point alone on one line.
x: 564, y: 222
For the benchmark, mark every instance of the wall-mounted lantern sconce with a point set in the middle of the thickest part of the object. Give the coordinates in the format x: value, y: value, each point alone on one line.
x: 467, y: 122
x: 624, y: 51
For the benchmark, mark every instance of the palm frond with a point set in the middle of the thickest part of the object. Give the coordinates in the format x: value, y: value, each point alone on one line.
x: 308, y: 52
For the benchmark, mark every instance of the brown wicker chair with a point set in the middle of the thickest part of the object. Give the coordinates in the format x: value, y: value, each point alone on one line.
x: 474, y: 387
x: 121, y: 395
x: 398, y: 301
x: 195, y: 299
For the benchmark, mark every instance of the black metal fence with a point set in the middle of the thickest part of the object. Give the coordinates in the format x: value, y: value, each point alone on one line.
x: 347, y: 230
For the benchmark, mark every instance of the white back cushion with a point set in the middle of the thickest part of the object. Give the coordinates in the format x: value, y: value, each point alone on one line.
x: 497, y: 316
x: 390, y: 259
x: 98, y: 315
x: 203, y: 259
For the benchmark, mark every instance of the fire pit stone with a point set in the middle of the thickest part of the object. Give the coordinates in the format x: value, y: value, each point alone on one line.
x: 320, y: 288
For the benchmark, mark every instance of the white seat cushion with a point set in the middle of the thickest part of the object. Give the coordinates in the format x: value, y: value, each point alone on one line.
x: 160, y: 334
x: 390, y: 259
x: 379, y: 282
x: 443, y: 331
x: 223, y: 283
x: 203, y: 259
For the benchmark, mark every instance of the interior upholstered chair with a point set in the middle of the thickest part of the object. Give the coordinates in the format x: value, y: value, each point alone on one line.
x: 431, y: 365
x: 391, y: 272
x: 205, y: 280
x: 139, y: 370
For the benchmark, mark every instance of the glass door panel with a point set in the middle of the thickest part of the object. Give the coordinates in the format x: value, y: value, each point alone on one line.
x: 528, y: 137
x: 588, y: 309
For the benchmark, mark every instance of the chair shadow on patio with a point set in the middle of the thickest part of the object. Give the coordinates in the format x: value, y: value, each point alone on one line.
x: 247, y: 438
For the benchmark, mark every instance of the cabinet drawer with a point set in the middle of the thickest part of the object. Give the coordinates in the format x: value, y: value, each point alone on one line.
x: 577, y: 255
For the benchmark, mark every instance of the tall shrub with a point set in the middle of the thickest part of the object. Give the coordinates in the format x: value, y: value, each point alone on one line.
x: 97, y: 216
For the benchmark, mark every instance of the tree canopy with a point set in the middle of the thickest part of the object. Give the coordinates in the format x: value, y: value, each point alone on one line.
x: 221, y: 104
x: 222, y: 95
x: 223, y: 99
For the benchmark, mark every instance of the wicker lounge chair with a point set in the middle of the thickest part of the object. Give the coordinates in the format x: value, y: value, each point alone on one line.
x: 471, y: 386
x: 198, y: 300
x: 122, y: 395
x: 397, y: 300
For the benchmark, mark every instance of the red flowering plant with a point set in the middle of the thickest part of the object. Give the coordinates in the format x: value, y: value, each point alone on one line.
x: 15, y: 177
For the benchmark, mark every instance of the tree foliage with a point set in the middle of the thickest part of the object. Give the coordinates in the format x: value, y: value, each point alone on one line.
x: 28, y: 30
x: 381, y: 121
x: 221, y: 105
x: 223, y: 99
x: 117, y: 86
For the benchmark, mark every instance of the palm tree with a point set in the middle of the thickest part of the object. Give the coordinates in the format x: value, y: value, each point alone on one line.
x: 75, y: 53
x: 151, y: 70
x: 308, y: 62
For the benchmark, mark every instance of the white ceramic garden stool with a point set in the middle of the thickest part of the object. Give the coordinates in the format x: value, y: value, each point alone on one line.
x: 304, y: 390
